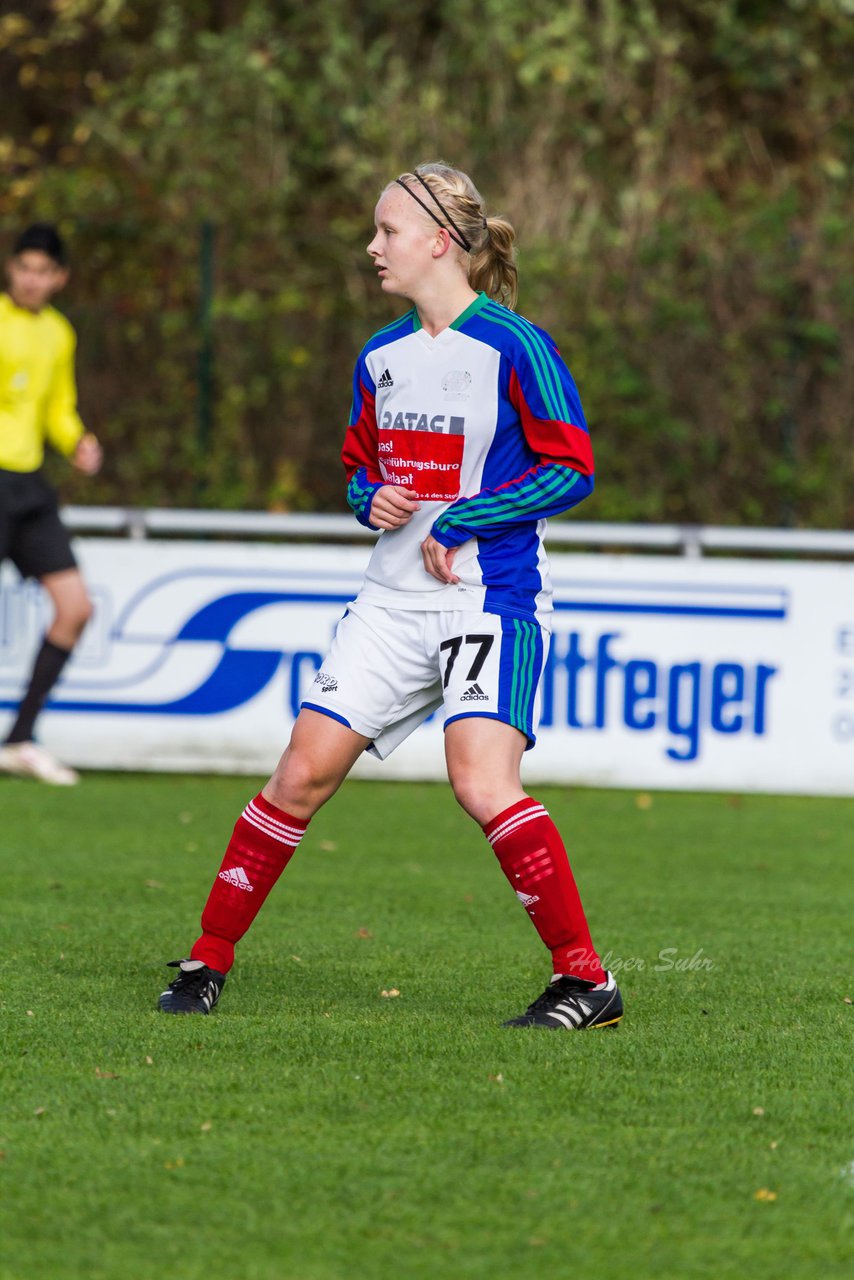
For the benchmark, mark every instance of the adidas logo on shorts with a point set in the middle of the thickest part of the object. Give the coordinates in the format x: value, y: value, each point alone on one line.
x: 474, y: 694
x: 386, y: 380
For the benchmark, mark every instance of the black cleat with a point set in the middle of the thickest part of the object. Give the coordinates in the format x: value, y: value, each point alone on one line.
x: 574, y: 1004
x: 196, y: 989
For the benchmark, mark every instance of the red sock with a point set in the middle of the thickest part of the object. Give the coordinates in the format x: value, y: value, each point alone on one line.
x: 263, y: 843
x: 531, y: 853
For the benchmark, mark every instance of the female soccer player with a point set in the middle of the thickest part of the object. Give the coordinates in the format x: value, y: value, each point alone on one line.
x: 466, y: 433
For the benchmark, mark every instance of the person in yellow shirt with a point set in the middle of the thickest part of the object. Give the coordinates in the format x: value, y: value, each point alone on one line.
x: 38, y: 405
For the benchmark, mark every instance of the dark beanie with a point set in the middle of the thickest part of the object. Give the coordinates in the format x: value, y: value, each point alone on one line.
x: 44, y: 237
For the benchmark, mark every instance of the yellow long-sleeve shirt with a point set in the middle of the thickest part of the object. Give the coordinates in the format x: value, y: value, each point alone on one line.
x: 38, y: 392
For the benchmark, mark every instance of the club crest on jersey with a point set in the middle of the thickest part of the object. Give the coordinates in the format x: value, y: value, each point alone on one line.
x: 442, y: 423
x: 456, y: 384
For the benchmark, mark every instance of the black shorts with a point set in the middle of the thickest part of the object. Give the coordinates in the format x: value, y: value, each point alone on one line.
x: 32, y: 535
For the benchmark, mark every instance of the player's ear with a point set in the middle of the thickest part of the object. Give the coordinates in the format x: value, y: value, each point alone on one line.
x: 442, y: 243
x: 61, y: 277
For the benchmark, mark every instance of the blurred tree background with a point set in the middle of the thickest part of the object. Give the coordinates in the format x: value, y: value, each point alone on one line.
x: 678, y: 171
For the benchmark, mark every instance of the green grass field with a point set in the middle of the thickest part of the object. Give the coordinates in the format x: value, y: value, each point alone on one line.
x: 314, y: 1129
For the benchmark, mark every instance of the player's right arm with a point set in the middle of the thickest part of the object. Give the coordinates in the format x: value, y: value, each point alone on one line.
x: 375, y: 504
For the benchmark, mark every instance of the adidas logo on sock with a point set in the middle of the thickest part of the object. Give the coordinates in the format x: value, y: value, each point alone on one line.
x: 386, y: 380
x: 474, y: 694
x: 237, y: 877
x: 527, y: 899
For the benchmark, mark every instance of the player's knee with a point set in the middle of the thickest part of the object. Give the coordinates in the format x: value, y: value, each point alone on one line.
x: 83, y: 615
x: 69, y: 622
x: 73, y: 615
x: 301, y: 782
x: 477, y: 794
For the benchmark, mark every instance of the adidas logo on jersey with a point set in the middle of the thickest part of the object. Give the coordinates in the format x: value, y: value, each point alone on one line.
x: 527, y: 899
x: 474, y: 694
x: 236, y: 876
x: 386, y: 380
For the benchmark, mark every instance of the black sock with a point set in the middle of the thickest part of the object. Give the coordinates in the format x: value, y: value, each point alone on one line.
x: 47, y: 669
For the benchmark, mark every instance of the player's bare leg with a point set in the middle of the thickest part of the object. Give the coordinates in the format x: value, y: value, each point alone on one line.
x: 484, y: 758
x: 72, y: 607
x: 320, y: 754
x: 72, y: 610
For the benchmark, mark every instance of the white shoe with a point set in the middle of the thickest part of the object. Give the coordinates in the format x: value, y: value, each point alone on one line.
x: 27, y: 760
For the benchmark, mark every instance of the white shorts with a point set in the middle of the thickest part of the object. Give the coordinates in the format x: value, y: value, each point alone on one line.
x: 389, y: 669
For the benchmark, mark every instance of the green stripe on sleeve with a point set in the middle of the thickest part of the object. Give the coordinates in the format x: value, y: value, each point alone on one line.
x: 542, y: 360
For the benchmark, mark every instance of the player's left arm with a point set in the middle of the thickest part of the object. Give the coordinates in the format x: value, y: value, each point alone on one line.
x: 545, y: 397
x: 62, y: 425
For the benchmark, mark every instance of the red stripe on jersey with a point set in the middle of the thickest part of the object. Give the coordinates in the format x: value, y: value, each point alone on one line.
x: 561, y: 442
x: 360, y: 441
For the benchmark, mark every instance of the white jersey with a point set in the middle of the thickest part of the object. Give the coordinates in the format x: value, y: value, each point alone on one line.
x: 485, y: 423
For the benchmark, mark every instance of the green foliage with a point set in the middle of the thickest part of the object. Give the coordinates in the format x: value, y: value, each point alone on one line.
x: 679, y: 175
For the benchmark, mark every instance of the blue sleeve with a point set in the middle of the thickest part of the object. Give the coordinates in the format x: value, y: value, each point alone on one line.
x: 542, y: 492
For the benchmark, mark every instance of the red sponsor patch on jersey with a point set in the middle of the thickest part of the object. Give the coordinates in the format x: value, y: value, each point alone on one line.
x: 427, y: 461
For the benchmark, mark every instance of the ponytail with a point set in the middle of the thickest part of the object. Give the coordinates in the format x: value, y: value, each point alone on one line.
x: 492, y: 266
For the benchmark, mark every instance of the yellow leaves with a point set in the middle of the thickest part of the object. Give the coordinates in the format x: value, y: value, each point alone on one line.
x: 174, y: 1164
x: 206, y: 1126
x: 643, y: 800
x: 12, y: 27
x: 764, y: 1195
x: 759, y: 1111
x: 390, y: 994
x: 23, y: 187
x: 107, y: 1075
x: 363, y: 933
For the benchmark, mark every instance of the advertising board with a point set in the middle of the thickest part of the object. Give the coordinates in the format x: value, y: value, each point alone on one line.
x: 663, y: 672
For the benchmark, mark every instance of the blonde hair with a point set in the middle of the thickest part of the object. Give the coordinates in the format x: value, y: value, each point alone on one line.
x: 488, y: 241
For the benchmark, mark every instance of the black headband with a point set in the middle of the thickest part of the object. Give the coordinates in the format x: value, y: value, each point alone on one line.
x: 459, y: 238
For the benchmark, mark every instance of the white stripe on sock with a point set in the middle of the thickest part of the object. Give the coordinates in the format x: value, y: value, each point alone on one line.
x: 267, y: 831
x: 274, y: 822
x: 518, y: 820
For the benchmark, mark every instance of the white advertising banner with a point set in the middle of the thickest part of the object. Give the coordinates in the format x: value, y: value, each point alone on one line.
x: 662, y: 673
